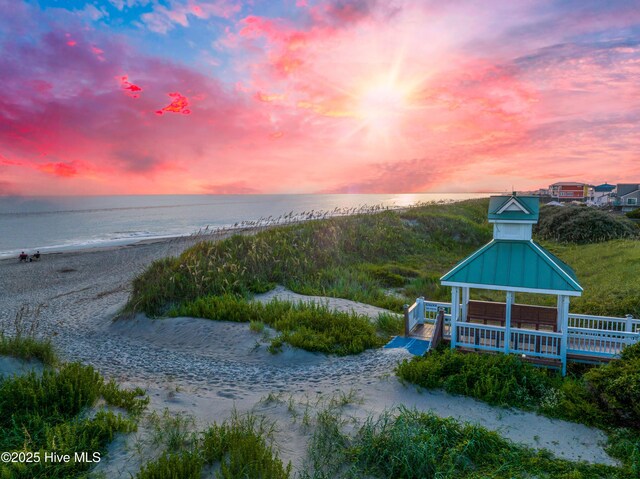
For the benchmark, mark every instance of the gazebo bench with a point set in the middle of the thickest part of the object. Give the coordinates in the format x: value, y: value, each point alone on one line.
x: 522, y: 315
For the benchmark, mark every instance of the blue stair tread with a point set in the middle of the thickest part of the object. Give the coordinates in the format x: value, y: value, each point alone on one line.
x: 415, y: 346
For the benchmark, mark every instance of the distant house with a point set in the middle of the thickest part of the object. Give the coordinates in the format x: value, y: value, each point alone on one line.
x: 628, y: 196
x: 569, y: 191
x: 602, y: 194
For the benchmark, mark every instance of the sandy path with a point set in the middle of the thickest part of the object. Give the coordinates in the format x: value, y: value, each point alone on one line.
x: 207, y: 368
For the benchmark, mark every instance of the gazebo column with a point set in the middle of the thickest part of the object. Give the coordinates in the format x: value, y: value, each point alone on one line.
x: 465, y: 305
x: 455, y: 310
x: 563, y: 314
x: 507, y: 321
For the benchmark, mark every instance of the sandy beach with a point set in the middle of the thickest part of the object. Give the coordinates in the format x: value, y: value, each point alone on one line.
x: 207, y: 369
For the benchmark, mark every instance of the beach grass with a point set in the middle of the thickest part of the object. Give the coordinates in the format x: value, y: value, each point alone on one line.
x: 384, y: 259
x: 408, y: 444
x: 358, y: 257
x: 21, y: 340
x: 241, y: 447
x: 50, y: 412
x: 28, y: 348
x: 313, y: 327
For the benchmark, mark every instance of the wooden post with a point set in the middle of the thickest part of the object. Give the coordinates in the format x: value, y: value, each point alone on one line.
x: 629, y: 324
x: 507, y: 322
x: 407, y: 330
x: 455, y: 308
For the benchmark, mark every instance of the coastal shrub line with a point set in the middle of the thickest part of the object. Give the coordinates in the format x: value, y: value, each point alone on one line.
x: 407, y: 444
x: 606, y: 396
x: 313, y: 327
x: 47, y: 412
x: 581, y: 225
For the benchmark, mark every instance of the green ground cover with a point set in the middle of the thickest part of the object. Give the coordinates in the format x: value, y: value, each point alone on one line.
x: 606, y: 396
x: 308, y: 326
x: 48, y: 412
x: 407, y: 444
x: 239, y: 448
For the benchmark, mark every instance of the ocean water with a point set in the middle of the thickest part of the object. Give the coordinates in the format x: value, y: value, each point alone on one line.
x: 52, y: 224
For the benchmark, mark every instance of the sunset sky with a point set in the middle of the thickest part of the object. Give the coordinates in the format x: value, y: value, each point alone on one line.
x: 316, y: 96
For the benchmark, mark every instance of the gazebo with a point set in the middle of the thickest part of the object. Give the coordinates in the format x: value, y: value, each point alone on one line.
x: 514, y: 264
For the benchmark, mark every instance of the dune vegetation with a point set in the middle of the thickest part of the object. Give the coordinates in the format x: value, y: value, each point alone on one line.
x: 42, y: 413
x: 605, y: 396
x: 384, y: 259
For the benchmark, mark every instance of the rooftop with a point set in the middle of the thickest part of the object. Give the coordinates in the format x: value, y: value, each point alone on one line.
x: 514, y: 208
x: 509, y: 265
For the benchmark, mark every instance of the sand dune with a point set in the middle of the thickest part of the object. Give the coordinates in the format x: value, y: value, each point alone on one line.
x: 207, y: 369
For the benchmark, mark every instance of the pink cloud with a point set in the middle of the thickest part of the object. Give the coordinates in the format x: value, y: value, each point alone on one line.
x: 231, y: 188
x: 163, y: 19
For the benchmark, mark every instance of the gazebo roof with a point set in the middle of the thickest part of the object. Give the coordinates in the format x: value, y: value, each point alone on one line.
x: 509, y: 265
x: 514, y: 208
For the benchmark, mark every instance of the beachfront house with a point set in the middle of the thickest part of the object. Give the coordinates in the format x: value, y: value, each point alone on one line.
x: 513, y: 264
x: 569, y: 191
x: 602, y: 195
x: 628, y: 196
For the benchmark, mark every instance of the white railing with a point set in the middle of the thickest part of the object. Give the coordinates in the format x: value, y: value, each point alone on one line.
x: 544, y: 344
x: 413, y: 315
x: 431, y: 309
x: 604, y: 323
x: 587, y: 335
x: 593, y: 342
x: 480, y: 336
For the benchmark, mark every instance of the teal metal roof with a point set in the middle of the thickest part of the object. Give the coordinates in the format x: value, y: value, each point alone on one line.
x: 531, y: 205
x: 514, y: 265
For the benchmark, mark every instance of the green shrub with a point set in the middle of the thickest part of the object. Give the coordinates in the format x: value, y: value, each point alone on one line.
x: 44, y: 413
x: 416, y: 445
x: 312, y: 326
x: 616, y: 387
x: 579, y: 224
x: 495, y: 378
x: 243, y: 449
x: 633, y: 214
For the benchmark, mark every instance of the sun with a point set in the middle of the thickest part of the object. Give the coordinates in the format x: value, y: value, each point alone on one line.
x: 382, y: 105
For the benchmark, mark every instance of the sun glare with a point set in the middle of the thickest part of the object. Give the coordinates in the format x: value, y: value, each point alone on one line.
x: 382, y: 105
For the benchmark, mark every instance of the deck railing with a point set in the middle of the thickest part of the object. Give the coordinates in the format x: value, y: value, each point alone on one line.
x: 480, y: 336
x: 543, y: 344
x: 593, y: 342
x: 604, y: 323
x: 587, y: 335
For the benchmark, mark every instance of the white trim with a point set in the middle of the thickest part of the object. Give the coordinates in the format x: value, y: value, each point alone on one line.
x: 504, y: 220
x: 510, y: 202
x: 571, y: 280
x: 630, y: 193
x: 511, y: 288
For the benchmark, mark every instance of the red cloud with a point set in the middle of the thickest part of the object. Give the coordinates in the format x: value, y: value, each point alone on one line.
x: 178, y: 105
x: 63, y: 170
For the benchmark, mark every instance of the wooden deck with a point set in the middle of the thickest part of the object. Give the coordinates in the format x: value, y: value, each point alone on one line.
x: 422, y: 331
x: 589, y: 339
